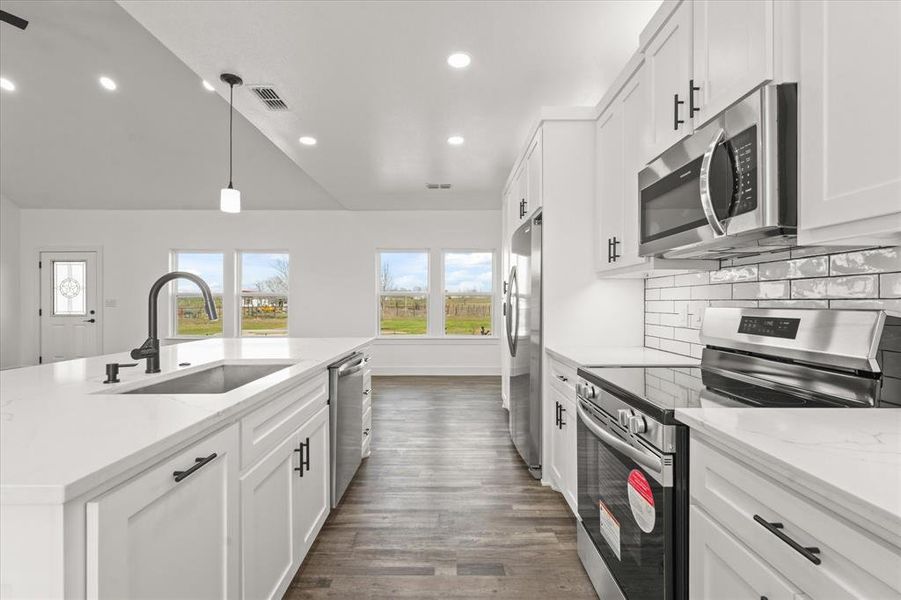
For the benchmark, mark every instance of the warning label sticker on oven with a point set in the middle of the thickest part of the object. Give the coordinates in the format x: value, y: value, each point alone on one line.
x: 609, y: 528
x: 641, y: 500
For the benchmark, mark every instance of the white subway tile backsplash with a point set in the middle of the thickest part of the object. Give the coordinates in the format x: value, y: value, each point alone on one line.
x: 761, y: 290
x: 708, y: 292
x: 794, y: 304
x: 733, y: 274
x: 659, y: 282
x: 890, y: 285
x: 851, y: 286
x: 692, y: 279
x: 870, y: 304
x: 817, y: 266
x: 820, y: 277
x: 878, y: 260
x: 683, y: 348
x: 659, y: 306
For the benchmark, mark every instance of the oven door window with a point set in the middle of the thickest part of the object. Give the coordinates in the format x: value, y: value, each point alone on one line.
x: 673, y: 204
x: 628, y: 515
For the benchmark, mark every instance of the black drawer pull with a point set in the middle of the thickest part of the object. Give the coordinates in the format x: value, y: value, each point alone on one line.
x: 808, y: 552
x: 198, y: 463
x: 304, y: 457
x: 562, y: 378
x: 676, y: 104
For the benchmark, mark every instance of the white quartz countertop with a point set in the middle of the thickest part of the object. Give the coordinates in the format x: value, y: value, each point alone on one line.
x: 613, y: 356
x: 849, y: 456
x: 63, y: 432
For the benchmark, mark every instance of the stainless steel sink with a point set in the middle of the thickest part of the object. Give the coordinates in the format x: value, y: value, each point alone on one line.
x: 215, y: 380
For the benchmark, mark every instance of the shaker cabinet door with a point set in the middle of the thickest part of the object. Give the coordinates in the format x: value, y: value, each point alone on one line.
x: 172, y: 531
x: 850, y: 136
x: 733, y: 53
x: 668, y: 59
x: 313, y: 490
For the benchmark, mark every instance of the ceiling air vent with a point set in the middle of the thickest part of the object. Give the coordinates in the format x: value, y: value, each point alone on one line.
x: 269, y: 97
x: 438, y: 186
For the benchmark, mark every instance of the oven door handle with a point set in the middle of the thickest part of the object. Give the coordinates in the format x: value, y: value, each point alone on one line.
x: 653, y: 463
x: 704, y: 180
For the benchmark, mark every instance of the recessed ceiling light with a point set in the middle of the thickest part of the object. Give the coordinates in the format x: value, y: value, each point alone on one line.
x: 307, y: 140
x: 455, y: 140
x: 208, y: 86
x: 7, y: 85
x: 459, y: 60
x: 107, y: 83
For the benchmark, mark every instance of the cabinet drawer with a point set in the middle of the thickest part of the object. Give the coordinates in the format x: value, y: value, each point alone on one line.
x: 563, y: 377
x: 720, y: 566
x: 265, y: 428
x: 852, y: 563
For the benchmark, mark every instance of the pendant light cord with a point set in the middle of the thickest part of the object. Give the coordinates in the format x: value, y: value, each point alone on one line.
x: 231, y: 111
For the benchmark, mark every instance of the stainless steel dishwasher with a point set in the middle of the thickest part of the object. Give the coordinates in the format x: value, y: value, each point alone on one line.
x: 345, y: 386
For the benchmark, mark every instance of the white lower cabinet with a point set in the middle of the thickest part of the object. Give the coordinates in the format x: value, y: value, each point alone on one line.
x: 172, y: 531
x: 285, y: 499
x: 721, y: 567
x: 563, y: 447
x: 753, y: 535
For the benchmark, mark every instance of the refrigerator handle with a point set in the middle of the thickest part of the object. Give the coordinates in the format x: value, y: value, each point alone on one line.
x: 511, y: 337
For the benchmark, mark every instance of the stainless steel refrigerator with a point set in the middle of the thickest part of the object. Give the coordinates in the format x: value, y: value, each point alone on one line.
x: 522, y: 312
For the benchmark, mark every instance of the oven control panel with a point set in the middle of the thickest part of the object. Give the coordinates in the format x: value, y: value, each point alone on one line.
x: 778, y: 327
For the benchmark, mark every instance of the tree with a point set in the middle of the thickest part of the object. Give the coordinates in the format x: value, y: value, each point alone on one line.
x: 278, y: 283
x: 385, y: 279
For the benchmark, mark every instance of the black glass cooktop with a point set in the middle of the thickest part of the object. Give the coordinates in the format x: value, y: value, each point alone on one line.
x: 664, y: 389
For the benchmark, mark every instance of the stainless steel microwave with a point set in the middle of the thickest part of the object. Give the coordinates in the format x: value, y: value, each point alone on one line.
x: 730, y: 188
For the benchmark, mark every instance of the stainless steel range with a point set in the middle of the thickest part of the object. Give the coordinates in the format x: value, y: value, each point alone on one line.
x: 632, y: 453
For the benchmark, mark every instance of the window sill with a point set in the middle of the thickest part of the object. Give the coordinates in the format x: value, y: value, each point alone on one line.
x: 431, y: 339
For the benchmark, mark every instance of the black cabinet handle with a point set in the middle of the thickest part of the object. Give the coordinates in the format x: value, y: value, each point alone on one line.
x: 808, y: 552
x: 676, y: 120
x: 304, y: 450
x: 198, y: 464
x: 562, y: 378
x: 557, y: 415
x: 611, y: 249
x: 692, y: 88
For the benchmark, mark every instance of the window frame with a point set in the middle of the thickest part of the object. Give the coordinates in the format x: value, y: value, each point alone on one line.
x: 492, y: 295
x: 173, y: 294
x: 379, y: 292
x: 240, y: 294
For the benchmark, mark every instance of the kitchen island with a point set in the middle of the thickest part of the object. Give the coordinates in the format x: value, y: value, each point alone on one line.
x: 85, y: 471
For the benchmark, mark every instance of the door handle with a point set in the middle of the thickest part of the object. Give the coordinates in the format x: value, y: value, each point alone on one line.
x: 676, y: 120
x: 198, y: 463
x: 89, y: 320
x: 704, y: 182
x: 692, y: 88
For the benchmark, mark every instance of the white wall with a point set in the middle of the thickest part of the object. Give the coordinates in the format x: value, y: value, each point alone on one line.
x: 9, y: 283
x: 332, y: 269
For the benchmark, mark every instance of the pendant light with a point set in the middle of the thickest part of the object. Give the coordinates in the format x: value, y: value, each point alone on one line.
x: 230, y: 198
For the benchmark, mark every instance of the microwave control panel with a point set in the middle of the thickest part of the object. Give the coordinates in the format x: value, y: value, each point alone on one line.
x: 742, y: 149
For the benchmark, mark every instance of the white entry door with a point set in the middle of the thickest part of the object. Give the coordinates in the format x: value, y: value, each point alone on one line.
x: 70, y: 316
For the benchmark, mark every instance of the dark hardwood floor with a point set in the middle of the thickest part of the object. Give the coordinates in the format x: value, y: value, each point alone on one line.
x: 444, y: 507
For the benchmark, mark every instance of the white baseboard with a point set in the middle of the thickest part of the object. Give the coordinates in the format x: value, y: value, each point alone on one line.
x: 451, y: 370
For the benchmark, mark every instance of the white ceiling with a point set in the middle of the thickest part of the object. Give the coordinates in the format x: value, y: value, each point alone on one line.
x: 159, y: 141
x: 368, y: 79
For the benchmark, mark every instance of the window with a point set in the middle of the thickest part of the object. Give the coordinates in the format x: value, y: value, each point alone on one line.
x: 468, y: 293
x: 263, y: 298
x: 68, y: 288
x: 403, y: 293
x: 190, y: 317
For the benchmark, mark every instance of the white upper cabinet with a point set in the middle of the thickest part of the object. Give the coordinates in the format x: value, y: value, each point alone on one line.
x: 733, y: 53
x: 669, y: 63
x: 850, y: 136
x: 534, y: 169
x: 610, y: 201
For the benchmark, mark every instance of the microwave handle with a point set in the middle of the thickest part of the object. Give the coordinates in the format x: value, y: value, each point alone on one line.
x: 704, y: 179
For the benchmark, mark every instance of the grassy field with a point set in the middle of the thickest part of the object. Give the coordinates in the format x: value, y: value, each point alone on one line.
x: 400, y: 315
x: 463, y: 315
x: 192, y: 319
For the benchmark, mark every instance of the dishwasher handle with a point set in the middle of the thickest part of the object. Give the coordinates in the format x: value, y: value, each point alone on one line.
x: 350, y: 364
